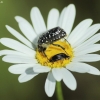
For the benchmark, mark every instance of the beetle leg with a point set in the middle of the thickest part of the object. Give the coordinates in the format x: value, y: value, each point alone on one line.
x: 45, y: 55
x: 67, y: 41
x: 60, y: 47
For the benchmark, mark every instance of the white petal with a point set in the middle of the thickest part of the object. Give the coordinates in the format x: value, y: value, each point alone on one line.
x: 19, y: 36
x: 77, y: 67
x: 88, y: 49
x: 57, y: 73
x: 93, y: 70
x: 90, y: 69
x: 89, y: 32
x: 69, y: 79
x: 88, y: 42
x: 67, y: 18
x: 21, y: 19
x: 19, y: 59
x: 41, y: 69
x: 13, y: 44
x: 12, y: 52
x: 27, y: 75
x: 52, y: 18
x: 87, y: 58
x: 26, y: 28
x: 50, y: 85
x: 37, y: 20
x: 79, y: 31
x: 19, y: 68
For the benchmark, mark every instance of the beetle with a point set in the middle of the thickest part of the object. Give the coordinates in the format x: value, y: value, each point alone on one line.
x: 49, y: 37
x: 59, y: 56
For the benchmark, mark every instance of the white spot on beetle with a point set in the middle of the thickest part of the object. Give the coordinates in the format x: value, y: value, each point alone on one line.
x: 59, y: 37
x: 49, y: 36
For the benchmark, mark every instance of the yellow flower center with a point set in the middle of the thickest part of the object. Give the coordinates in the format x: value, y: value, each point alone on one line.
x: 53, y: 50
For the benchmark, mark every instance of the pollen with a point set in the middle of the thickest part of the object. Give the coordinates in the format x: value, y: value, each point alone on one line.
x: 44, y: 57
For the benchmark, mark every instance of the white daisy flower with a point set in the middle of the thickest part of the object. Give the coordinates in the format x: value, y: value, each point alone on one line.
x: 29, y: 62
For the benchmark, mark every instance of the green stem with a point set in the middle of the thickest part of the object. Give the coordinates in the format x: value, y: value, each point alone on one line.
x: 59, y: 91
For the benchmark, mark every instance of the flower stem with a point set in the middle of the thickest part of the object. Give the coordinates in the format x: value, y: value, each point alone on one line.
x: 59, y: 91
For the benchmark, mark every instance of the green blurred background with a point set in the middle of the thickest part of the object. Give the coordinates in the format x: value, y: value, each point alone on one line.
x: 10, y: 89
